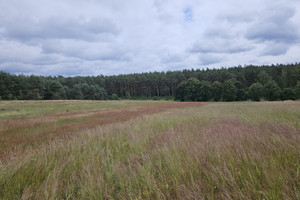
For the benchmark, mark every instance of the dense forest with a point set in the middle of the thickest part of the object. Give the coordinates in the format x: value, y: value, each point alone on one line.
x: 274, y: 82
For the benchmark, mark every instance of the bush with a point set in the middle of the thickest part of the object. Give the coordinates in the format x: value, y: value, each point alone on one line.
x: 114, y: 97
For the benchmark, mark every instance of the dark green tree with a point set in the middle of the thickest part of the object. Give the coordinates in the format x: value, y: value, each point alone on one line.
x: 179, y: 93
x: 255, y: 91
x: 165, y: 91
x: 76, y: 93
x: 229, y: 92
x: 263, y: 77
x: 151, y: 85
x: 250, y: 74
x: 288, y: 94
x: 100, y: 93
x: 204, y: 91
x: 297, y: 90
x: 87, y: 91
x: 188, y: 90
x: 68, y: 92
x: 54, y: 90
x: 271, y: 91
x: 217, y: 91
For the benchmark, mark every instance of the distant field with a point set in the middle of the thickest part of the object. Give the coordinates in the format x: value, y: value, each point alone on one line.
x: 149, y: 150
x: 28, y: 124
x: 9, y: 109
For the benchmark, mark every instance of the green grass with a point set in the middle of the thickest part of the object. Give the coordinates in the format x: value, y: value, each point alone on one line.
x: 285, y: 113
x: 26, y: 124
x: 216, y: 151
x: 10, y: 109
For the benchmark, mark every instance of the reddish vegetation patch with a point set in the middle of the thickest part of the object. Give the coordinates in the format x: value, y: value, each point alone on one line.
x: 17, y: 134
x: 223, y: 132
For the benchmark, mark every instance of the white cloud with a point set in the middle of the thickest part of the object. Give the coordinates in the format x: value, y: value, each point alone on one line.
x: 90, y: 37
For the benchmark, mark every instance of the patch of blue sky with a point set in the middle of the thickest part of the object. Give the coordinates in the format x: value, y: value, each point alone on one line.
x: 188, y: 14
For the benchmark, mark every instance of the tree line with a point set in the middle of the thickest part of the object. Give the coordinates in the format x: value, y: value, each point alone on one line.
x: 269, y: 82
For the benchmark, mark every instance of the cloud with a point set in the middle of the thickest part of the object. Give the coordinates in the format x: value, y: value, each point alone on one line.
x: 14, y: 51
x: 218, y: 46
x: 275, y: 26
x: 84, y: 49
x: 218, y: 32
x: 18, y: 68
x: 209, y: 59
x: 59, y: 28
x: 275, y: 49
x: 110, y: 36
x: 170, y: 58
x: 237, y: 17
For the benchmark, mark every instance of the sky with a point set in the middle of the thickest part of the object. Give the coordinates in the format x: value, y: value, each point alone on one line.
x: 110, y: 37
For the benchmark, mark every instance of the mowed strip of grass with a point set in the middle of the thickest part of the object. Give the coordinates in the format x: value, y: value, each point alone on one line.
x: 49, y: 120
x: 214, y: 151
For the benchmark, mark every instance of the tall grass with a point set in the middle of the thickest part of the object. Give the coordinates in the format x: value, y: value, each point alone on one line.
x: 17, y: 135
x: 9, y: 109
x: 217, y: 151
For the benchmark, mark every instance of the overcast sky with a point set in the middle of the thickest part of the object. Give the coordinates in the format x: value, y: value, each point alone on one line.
x: 92, y: 37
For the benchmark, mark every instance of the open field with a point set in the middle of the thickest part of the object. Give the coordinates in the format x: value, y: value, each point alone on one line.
x: 42, y: 121
x: 149, y: 150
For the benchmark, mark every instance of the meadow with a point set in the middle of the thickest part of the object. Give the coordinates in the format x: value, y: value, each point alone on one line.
x: 149, y: 150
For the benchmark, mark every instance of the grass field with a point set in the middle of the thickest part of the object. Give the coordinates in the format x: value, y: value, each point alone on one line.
x: 149, y: 150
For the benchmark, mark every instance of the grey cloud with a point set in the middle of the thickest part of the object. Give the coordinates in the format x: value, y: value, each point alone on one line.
x: 14, y: 51
x: 271, y: 31
x: 51, y: 59
x: 17, y: 68
x: 17, y: 52
x: 275, y: 49
x: 276, y: 26
x: 209, y: 59
x: 218, y: 46
x: 218, y: 32
x: 85, y: 50
x: 58, y: 27
x: 71, y: 68
x: 170, y: 57
x: 237, y: 18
